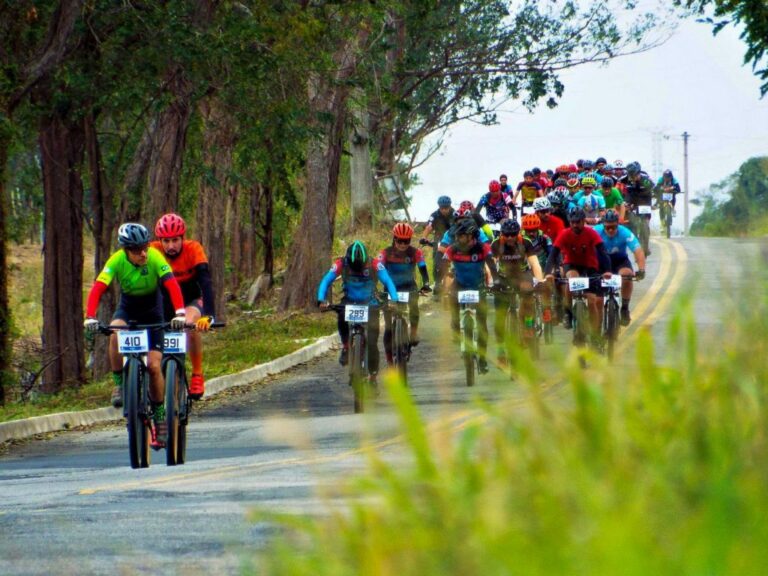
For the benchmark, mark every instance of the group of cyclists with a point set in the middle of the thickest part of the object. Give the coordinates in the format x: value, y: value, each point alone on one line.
x: 578, y: 220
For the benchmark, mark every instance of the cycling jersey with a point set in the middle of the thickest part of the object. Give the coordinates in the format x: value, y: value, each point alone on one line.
x: 579, y: 249
x: 440, y: 224
x: 529, y: 191
x: 190, y: 268
x: 622, y: 242
x: 592, y: 204
x: 640, y: 192
x: 496, y: 207
x: 552, y: 226
x: 613, y: 199
x: 450, y: 235
x: 541, y: 245
x: 135, y: 280
x: 358, y: 287
x: 401, y: 265
x: 469, y: 264
x: 512, y: 259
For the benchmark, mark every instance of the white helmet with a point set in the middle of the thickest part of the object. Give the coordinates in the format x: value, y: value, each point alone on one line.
x: 541, y: 204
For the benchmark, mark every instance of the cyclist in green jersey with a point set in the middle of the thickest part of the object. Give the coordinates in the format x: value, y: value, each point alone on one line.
x: 140, y: 270
x: 613, y: 197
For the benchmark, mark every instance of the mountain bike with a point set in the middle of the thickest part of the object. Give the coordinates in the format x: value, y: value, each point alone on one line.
x: 468, y: 332
x: 666, y: 212
x: 401, y: 331
x: 611, y: 306
x: 178, y: 404
x: 639, y: 218
x: 578, y: 287
x: 356, y: 315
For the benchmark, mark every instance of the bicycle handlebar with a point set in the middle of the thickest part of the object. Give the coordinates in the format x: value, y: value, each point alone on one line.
x: 108, y: 328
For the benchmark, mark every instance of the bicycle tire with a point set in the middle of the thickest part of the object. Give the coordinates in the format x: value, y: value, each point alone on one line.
x: 138, y: 436
x: 611, y: 321
x: 469, y: 350
x: 185, y: 406
x: 357, y: 372
x: 400, y: 348
x: 172, y: 405
x: 668, y: 223
x: 580, y: 322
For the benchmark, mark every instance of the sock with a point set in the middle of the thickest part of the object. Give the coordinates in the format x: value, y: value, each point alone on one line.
x: 117, y: 377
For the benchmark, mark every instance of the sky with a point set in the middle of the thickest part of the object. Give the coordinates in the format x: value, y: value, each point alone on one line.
x: 693, y: 83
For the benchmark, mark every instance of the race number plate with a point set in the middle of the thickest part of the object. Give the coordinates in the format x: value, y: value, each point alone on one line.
x: 613, y: 282
x: 355, y: 313
x: 402, y: 296
x: 577, y: 284
x: 132, y: 341
x: 175, y: 343
x: 469, y: 296
x: 642, y: 210
x: 667, y: 196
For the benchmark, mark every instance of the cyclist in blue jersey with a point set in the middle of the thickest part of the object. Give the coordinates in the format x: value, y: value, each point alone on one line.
x: 506, y: 188
x: 400, y: 260
x: 469, y: 257
x: 618, y: 240
x: 497, y: 204
x: 667, y: 184
x: 466, y: 211
x: 440, y: 221
x: 359, y: 274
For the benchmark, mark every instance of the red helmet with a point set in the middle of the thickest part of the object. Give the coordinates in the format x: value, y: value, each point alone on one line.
x: 402, y: 231
x: 170, y: 226
x: 494, y: 186
x: 465, y: 208
x: 531, y: 222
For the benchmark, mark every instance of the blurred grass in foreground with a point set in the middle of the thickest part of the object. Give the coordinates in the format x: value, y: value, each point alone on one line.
x: 661, y: 469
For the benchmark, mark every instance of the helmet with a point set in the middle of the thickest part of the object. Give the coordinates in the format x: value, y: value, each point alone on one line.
x: 601, y: 160
x: 402, y: 231
x: 667, y: 172
x: 467, y: 226
x: 536, y: 171
x: 633, y: 168
x: 494, y: 186
x: 611, y: 216
x: 572, y: 182
x: 573, y: 168
x: 560, y: 182
x: 444, y: 201
x: 531, y: 222
x: 608, y: 168
x: 588, y: 181
x: 170, y: 226
x: 465, y: 209
x: 618, y: 164
x: 587, y: 165
x: 357, y: 256
x: 607, y: 182
x: 559, y: 196
x: 527, y: 174
x: 541, y: 204
x: 562, y: 169
x: 131, y: 235
x: 576, y: 214
x: 579, y: 163
x: 510, y: 228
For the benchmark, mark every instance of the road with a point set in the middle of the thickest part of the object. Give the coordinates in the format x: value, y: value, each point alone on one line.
x: 72, y: 505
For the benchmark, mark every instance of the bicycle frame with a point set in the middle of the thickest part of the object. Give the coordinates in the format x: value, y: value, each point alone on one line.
x: 356, y: 316
x: 468, y: 301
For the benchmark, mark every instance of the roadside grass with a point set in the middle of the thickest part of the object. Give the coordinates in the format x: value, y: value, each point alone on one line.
x: 661, y: 469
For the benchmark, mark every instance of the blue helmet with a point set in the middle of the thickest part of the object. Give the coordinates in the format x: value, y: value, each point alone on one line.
x: 611, y: 216
x: 131, y: 235
x: 444, y: 202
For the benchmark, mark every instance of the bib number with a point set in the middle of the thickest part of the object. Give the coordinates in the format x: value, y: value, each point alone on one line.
x: 578, y: 284
x: 402, y: 297
x: 613, y: 282
x: 469, y: 296
x: 133, y: 341
x: 667, y: 196
x: 643, y: 210
x: 175, y: 343
x: 356, y: 313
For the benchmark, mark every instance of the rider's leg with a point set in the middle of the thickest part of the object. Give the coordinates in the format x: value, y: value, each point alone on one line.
x: 482, y: 330
x: 413, y: 317
x: 156, y: 379
x: 626, y: 292
x: 388, y: 334
x: 373, y: 340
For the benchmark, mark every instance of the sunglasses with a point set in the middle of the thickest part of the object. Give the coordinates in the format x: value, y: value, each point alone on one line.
x: 402, y: 241
x: 138, y: 249
x: 612, y: 227
x: 589, y: 187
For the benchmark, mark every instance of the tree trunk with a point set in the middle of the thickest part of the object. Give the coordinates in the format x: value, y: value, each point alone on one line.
x: 311, y: 251
x: 361, y: 174
x: 102, y: 215
x: 5, y: 320
x: 217, y: 155
x: 267, y: 232
x: 61, y: 148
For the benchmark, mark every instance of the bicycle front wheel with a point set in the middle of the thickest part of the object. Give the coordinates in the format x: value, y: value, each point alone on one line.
x: 357, y: 371
x: 400, y: 346
x: 580, y: 322
x: 173, y: 386
x: 138, y: 433
x: 469, y: 350
x: 611, y: 325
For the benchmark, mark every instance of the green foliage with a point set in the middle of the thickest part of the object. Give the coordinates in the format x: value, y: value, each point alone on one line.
x: 737, y: 206
x: 659, y: 470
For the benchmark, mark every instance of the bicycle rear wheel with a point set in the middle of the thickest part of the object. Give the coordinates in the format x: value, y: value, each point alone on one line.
x: 138, y: 433
x: 400, y: 348
x: 468, y: 350
x: 580, y: 322
x: 173, y: 386
x: 611, y: 325
x: 357, y: 371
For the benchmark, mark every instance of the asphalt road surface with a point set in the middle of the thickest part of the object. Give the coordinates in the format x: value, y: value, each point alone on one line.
x: 72, y: 505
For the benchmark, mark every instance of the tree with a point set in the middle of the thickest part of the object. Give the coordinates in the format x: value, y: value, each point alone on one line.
x: 753, y: 15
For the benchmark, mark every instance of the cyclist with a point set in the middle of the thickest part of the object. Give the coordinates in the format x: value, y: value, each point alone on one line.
x: 469, y: 257
x: 638, y: 192
x: 439, y: 222
x: 618, y: 240
x: 359, y: 274
x: 613, y: 198
x: 140, y: 270
x: 506, y: 188
x: 497, y: 204
x: 542, y: 179
x: 560, y: 199
x: 591, y: 201
x: 551, y: 225
x: 190, y: 268
x: 667, y: 183
x: 528, y: 190
x: 584, y: 254
x: 400, y: 259
x: 518, y: 265
x: 466, y: 211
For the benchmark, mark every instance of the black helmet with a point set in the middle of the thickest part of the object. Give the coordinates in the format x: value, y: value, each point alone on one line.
x: 601, y: 160
x: 668, y: 173
x: 576, y: 214
x: 357, y: 256
x: 536, y: 171
x: 611, y: 216
x: 527, y: 173
x: 131, y: 235
x: 510, y: 227
x: 560, y: 182
x: 607, y: 182
x: 587, y: 165
x: 633, y: 168
x: 467, y: 226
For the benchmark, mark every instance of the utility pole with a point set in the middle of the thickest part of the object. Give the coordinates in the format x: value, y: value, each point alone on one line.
x: 685, y: 182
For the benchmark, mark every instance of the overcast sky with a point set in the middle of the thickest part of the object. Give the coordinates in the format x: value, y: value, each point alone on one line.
x: 694, y: 82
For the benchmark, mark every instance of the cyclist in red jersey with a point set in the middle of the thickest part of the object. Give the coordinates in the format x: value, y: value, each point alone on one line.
x: 551, y: 225
x: 583, y: 254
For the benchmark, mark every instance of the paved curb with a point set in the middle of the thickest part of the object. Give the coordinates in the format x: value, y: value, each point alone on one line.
x: 17, y: 429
